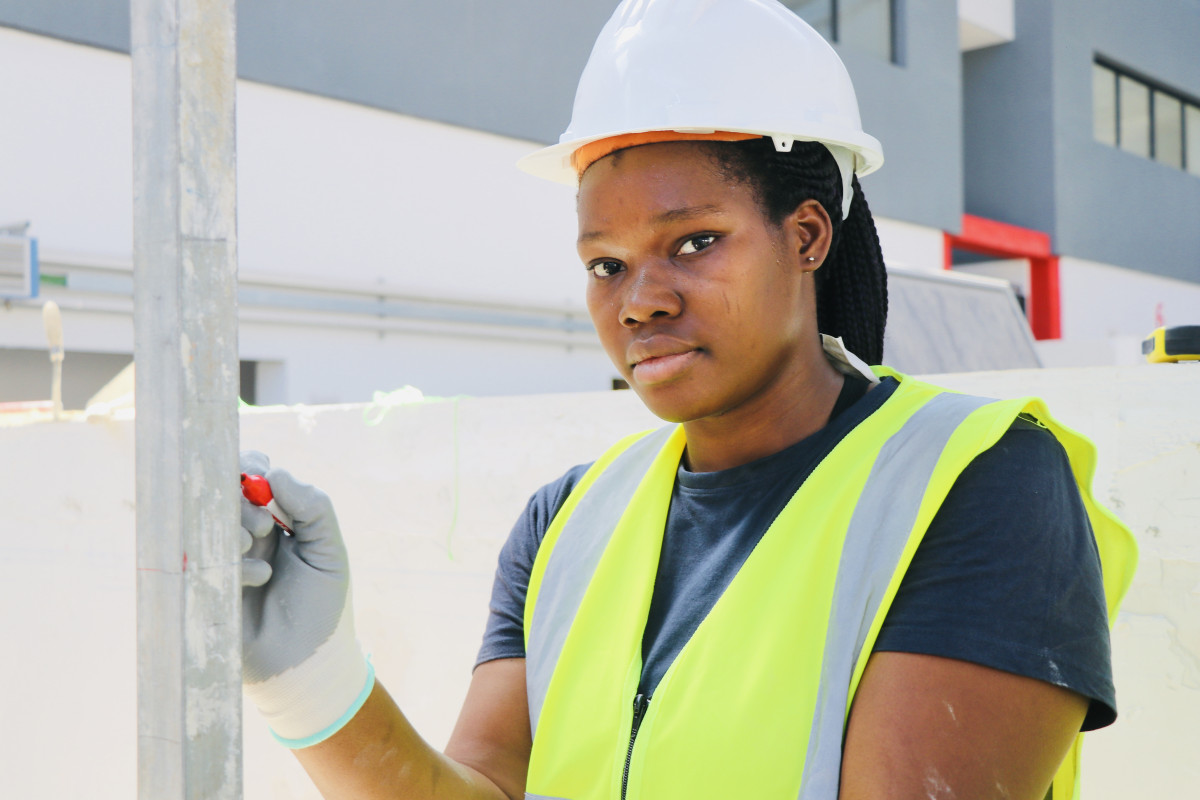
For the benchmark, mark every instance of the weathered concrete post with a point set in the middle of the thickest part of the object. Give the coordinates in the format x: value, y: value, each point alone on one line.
x: 185, y: 347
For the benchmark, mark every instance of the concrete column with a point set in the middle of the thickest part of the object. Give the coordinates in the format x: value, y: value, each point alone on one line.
x: 185, y: 348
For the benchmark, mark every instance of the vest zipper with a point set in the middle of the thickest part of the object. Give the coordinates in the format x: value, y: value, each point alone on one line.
x: 640, y: 704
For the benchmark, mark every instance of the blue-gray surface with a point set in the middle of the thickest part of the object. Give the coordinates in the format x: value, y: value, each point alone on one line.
x: 1030, y: 155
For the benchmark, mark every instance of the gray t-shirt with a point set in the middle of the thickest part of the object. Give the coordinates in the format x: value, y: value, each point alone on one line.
x: 1007, y: 575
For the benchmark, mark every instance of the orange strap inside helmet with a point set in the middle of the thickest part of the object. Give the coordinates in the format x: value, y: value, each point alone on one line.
x: 590, y: 153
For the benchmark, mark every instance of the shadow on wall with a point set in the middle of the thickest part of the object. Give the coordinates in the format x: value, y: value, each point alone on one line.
x: 25, y: 375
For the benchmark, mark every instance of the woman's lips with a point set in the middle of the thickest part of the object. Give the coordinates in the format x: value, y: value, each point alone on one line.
x: 661, y: 369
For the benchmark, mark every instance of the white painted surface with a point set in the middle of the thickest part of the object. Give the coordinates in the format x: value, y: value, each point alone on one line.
x: 329, y: 366
x: 426, y: 497
x: 982, y: 23
x: 329, y: 192
x: 909, y: 246
x: 1101, y: 301
x: 1107, y: 311
x: 1013, y: 270
x: 326, y: 188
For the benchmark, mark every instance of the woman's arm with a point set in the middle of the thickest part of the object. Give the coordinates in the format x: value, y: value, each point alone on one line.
x: 930, y: 728
x: 379, y: 755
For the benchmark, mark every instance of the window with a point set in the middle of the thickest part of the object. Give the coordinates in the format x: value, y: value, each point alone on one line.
x: 861, y: 24
x: 1168, y: 129
x: 1191, y: 138
x: 1133, y: 116
x: 1104, y: 105
x: 1147, y: 120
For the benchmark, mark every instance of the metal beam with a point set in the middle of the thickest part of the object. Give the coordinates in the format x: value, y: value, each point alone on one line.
x: 185, y: 347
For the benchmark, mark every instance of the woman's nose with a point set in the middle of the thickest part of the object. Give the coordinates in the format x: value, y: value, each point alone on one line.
x: 649, y: 295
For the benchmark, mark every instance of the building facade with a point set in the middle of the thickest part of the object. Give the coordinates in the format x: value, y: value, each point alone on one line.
x: 386, y: 239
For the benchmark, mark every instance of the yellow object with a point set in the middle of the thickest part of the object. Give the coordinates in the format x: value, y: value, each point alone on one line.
x: 730, y: 718
x: 1181, y: 343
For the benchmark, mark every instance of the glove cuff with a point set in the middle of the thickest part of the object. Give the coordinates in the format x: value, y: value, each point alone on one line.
x: 310, y: 702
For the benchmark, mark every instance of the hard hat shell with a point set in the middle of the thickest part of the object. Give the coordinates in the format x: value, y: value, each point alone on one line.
x: 697, y: 66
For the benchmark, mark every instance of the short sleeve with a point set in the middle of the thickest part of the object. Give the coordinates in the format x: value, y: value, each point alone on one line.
x: 504, y: 636
x: 1008, y: 575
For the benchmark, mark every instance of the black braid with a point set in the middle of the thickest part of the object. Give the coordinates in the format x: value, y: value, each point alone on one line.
x: 852, y: 282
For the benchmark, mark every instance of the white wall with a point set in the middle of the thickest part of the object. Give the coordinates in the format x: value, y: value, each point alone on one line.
x: 1013, y: 270
x: 326, y: 188
x: 910, y: 246
x: 1107, y: 311
x: 336, y: 365
x: 983, y: 23
x: 424, y: 519
x: 333, y: 197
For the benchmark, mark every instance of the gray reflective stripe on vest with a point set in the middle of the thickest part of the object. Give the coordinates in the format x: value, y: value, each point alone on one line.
x: 581, y: 542
x: 529, y: 796
x: 875, y: 540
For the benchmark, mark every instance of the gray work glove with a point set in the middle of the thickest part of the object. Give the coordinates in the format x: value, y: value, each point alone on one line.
x: 302, y: 665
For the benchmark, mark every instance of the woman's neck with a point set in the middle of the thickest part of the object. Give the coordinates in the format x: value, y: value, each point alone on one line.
x: 797, y: 407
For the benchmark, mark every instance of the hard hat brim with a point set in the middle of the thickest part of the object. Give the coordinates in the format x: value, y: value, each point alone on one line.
x: 554, y: 162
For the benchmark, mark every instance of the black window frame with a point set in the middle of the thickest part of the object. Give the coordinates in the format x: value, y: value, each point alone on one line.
x: 1154, y: 88
x: 895, y: 7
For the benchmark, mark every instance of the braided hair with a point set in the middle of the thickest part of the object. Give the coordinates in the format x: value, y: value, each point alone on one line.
x: 852, y: 282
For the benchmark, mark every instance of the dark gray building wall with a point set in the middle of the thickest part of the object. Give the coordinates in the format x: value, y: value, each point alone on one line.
x: 1032, y: 159
x: 508, y: 68
x: 100, y: 23
x: 1113, y: 206
x: 511, y: 68
x: 1008, y: 125
x: 915, y: 110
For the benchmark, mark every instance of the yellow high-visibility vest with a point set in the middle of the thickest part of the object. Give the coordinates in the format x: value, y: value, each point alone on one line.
x: 756, y: 702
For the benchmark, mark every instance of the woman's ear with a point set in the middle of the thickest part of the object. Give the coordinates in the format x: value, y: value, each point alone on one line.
x: 810, y: 232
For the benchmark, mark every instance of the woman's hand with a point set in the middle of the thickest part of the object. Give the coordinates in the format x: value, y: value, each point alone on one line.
x: 305, y: 671
x: 302, y: 665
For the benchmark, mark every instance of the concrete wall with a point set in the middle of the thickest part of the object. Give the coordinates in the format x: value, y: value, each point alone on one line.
x: 427, y: 494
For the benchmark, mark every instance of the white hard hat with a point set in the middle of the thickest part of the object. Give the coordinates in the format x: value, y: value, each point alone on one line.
x: 702, y: 66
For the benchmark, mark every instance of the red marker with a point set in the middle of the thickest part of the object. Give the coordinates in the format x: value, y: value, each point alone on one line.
x: 256, y: 489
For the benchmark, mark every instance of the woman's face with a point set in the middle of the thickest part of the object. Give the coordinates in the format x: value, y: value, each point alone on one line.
x: 704, y: 306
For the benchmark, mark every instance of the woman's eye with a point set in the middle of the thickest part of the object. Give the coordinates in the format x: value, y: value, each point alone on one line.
x: 697, y: 243
x: 604, y: 269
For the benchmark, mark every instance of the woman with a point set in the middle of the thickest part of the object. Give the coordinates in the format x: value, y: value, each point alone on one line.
x: 825, y: 581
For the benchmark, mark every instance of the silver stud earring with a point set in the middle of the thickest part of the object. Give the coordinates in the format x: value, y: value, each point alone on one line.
x: 811, y: 259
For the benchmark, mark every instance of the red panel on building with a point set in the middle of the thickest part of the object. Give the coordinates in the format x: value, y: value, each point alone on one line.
x: 1001, y: 240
